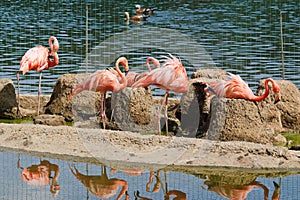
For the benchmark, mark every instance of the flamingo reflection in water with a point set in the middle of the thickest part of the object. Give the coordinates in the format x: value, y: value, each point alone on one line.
x: 235, y: 192
x: 40, y: 175
x: 179, y: 195
x: 101, y: 185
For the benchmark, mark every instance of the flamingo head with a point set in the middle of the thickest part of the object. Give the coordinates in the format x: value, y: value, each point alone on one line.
x: 124, y: 62
x: 276, y: 90
x: 53, y: 43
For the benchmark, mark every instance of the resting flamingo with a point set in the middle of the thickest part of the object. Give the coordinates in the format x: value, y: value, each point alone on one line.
x: 170, y: 77
x: 38, y: 58
x: 235, y: 88
x: 103, y: 81
x: 132, y: 77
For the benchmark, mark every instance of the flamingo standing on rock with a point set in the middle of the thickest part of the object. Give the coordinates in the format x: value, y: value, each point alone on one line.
x: 38, y: 58
x: 132, y: 77
x: 103, y: 81
x: 171, y: 76
x: 235, y: 88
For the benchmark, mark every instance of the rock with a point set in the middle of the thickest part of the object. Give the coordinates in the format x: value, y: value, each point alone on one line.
x: 209, y: 74
x: 51, y: 120
x: 238, y: 120
x: 279, y: 140
x: 285, y: 115
x: 134, y: 109
x: 7, y: 99
x: 295, y: 148
x: 29, y: 104
x: 59, y: 103
x: 194, y: 104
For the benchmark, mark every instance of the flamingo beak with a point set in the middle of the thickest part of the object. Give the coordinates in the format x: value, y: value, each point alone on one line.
x: 126, y: 69
x: 277, y: 98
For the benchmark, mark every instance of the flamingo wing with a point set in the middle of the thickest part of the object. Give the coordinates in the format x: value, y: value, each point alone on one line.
x: 34, y: 59
x: 171, y: 76
x: 233, y: 87
x: 100, y: 81
x: 165, y: 78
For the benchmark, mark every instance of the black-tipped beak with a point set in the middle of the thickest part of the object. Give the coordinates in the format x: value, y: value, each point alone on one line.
x: 126, y: 72
x: 277, y: 99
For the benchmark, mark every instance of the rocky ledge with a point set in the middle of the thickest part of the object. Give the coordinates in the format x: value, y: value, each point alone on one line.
x: 125, y: 146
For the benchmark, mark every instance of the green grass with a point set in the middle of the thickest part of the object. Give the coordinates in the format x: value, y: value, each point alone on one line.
x: 17, y: 121
x: 294, y: 137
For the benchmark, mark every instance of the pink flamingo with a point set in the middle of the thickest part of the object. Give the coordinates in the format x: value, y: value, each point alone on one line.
x: 235, y: 88
x: 103, y: 81
x: 38, y: 58
x: 132, y: 77
x: 170, y: 77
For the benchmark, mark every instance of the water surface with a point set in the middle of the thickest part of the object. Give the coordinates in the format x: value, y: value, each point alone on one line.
x: 241, y: 37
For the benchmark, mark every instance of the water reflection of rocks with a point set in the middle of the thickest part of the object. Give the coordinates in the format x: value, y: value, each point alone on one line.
x: 105, y: 187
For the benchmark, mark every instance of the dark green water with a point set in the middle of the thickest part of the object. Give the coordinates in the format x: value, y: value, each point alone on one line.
x: 242, y: 37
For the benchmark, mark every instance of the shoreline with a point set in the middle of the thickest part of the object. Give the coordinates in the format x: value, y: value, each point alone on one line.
x: 131, y: 150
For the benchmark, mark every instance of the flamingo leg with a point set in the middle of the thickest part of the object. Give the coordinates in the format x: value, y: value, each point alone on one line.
x: 18, y: 79
x: 39, y: 93
x: 102, y: 112
x: 164, y: 103
x: 166, y: 111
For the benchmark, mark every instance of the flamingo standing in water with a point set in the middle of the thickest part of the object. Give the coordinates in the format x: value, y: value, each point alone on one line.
x: 170, y: 77
x: 103, y: 81
x: 132, y: 77
x: 38, y: 58
x: 235, y: 88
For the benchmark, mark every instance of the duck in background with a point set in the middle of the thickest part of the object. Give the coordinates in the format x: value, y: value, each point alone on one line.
x: 143, y: 11
x: 139, y: 17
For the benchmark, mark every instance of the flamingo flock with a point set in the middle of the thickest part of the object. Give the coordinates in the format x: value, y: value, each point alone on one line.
x: 170, y: 76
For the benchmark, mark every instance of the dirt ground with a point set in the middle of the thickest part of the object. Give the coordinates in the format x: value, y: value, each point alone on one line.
x: 120, y: 146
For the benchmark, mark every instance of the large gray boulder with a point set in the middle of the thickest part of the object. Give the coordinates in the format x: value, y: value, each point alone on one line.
x: 134, y: 110
x: 59, y: 103
x: 193, y: 111
x: 8, y: 103
x: 238, y: 120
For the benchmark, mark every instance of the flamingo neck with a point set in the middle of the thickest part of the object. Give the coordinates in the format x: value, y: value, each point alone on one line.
x: 54, y: 46
x: 124, y: 80
x: 154, y: 61
x: 267, y: 91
